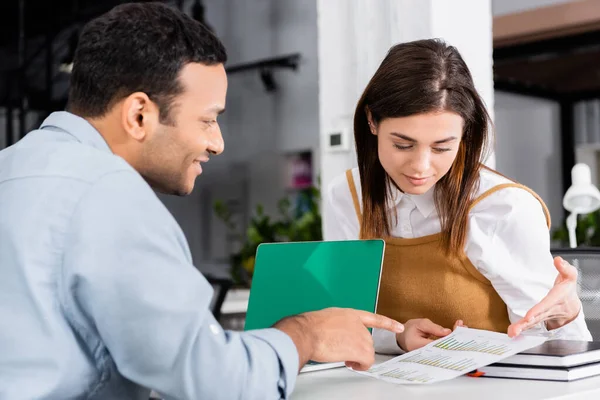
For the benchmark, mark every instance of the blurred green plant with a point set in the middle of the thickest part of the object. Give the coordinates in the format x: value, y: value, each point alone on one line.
x: 587, y: 231
x: 297, y: 223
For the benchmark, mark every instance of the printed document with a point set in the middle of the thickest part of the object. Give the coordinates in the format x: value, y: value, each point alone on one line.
x: 459, y: 353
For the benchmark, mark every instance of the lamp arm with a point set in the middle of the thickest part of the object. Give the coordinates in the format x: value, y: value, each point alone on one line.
x: 571, y: 227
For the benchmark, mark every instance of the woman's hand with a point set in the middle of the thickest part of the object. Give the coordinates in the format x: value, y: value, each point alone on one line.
x: 559, y: 307
x: 420, y: 332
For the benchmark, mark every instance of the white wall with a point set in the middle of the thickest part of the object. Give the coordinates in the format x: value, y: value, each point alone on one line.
x: 528, y: 146
x: 354, y: 36
x: 474, y: 45
x: 502, y: 7
x: 528, y: 132
x: 258, y: 127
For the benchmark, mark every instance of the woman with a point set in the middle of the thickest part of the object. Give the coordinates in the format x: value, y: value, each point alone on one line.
x: 463, y: 243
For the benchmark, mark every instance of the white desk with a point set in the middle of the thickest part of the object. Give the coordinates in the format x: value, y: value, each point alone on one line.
x: 234, y: 308
x: 236, y: 301
x: 341, y: 383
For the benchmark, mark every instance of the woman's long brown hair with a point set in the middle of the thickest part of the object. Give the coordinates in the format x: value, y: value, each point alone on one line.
x: 414, y: 78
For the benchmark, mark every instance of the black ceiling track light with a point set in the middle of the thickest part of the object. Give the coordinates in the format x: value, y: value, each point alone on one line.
x: 266, y: 66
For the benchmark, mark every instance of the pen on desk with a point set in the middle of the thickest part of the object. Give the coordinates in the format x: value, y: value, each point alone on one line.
x: 476, y: 374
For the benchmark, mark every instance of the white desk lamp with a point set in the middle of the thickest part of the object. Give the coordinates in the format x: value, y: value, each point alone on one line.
x: 581, y: 198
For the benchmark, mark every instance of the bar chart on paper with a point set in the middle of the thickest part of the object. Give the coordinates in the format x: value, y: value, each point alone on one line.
x: 473, y: 345
x: 459, y: 353
x: 442, y: 361
x: 409, y: 375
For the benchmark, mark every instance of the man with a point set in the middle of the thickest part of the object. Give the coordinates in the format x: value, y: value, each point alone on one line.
x: 98, y: 295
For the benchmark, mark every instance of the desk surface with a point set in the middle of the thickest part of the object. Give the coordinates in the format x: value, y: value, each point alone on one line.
x: 236, y: 301
x: 341, y: 383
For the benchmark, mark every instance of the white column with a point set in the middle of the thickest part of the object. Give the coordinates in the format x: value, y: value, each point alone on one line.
x: 355, y: 35
x: 467, y: 25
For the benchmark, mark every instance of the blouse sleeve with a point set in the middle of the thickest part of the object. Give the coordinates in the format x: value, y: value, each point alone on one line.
x: 509, y: 243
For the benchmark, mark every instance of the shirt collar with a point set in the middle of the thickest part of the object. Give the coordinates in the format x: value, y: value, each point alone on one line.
x: 425, y: 202
x: 77, y: 127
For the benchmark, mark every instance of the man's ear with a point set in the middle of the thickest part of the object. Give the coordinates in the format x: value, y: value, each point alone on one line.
x: 139, y: 115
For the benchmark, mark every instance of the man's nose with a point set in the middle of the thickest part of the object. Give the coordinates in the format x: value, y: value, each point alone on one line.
x: 216, y: 144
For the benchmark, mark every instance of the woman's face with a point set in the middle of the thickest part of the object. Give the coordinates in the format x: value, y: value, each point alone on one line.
x: 417, y: 151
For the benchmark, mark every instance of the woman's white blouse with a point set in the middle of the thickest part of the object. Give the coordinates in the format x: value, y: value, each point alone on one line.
x: 507, y: 241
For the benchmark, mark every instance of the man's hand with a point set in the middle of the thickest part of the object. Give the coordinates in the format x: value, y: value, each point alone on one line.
x: 420, y: 332
x: 336, y: 334
x: 559, y: 307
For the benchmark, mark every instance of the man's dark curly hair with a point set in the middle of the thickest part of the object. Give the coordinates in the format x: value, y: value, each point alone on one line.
x: 137, y: 47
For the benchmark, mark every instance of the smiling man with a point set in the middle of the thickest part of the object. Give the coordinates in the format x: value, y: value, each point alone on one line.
x: 99, y: 298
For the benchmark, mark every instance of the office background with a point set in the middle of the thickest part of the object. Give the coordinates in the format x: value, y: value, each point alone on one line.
x: 296, y: 69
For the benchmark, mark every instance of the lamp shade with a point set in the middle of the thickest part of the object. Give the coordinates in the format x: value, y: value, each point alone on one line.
x: 582, y: 197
